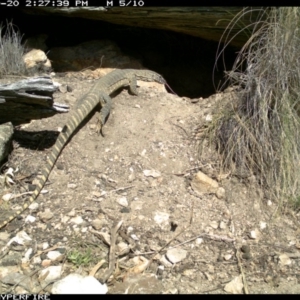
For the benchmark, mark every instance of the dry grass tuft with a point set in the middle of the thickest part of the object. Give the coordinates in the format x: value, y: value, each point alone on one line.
x: 11, y: 51
x: 260, y: 133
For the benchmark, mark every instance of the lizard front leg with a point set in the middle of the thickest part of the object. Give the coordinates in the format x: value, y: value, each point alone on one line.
x: 106, y: 104
x: 133, y: 85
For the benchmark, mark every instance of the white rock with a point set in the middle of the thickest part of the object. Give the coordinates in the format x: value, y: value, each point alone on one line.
x: 33, y: 206
x: 199, y: 241
x: 123, y: 201
x: 72, y: 186
x: 77, y: 220
x: 262, y: 225
x: 220, y: 193
x: 163, y: 260
x: 176, y: 255
x: 143, y: 152
x: 161, y: 217
x: 235, y: 286
x: 208, y: 118
x: 152, y: 173
x: 227, y: 256
x: 20, y: 238
x: 222, y: 225
x: 54, y: 273
x: 30, y: 219
x: 254, y: 234
x: 214, y: 224
x: 134, y: 237
x: 7, y: 197
x: 45, y: 245
x: 269, y: 203
x: 284, y: 260
x: 77, y: 284
x: 27, y: 256
x: 54, y: 255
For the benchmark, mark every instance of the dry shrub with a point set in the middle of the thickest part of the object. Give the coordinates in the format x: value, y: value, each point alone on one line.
x: 11, y: 51
x: 260, y: 133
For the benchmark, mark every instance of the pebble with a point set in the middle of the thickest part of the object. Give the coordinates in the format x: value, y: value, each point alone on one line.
x: 30, y: 219
x: 123, y: 201
x: 53, y: 273
x: 235, y: 286
x: 176, y: 255
x: 55, y: 255
x: 77, y: 220
x: 72, y: 186
x: 284, y: 260
x: 161, y: 217
x: 97, y: 224
x: 220, y: 193
x: 214, y: 224
x: 78, y: 284
x: 152, y: 173
x: 163, y: 260
x: 46, y: 215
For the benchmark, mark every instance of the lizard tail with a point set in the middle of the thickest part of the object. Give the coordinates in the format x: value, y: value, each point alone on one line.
x: 51, y: 159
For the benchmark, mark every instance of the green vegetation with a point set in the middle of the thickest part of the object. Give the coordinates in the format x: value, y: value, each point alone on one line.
x: 80, y: 258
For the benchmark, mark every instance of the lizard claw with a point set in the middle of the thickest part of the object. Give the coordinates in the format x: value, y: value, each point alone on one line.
x: 99, y: 128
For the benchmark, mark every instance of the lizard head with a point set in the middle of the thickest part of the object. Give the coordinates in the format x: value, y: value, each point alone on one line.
x: 147, y: 75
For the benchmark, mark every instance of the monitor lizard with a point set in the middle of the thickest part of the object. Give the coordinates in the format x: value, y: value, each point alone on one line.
x: 99, y: 94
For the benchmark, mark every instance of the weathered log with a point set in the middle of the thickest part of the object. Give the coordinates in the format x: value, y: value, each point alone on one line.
x: 29, y: 99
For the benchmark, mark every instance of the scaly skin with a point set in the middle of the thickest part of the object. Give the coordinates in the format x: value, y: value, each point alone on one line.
x: 98, y: 94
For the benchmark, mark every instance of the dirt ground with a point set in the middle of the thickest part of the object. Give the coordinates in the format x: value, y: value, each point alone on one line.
x: 140, y: 173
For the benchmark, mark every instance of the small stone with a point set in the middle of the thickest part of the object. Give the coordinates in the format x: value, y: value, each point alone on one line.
x: 78, y: 284
x: 220, y: 193
x: 33, y: 206
x: 222, y: 225
x: 284, y: 260
x: 131, y: 177
x: 254, y: 234
x: 51, y: 273
x: 262, y: 225
x: 227, y: 256
x: 17, y: 279
x: 72, y: 213
x: 123, y: 248
x: 214, y: 224
x: 30, y: 219
x: 123, y: 201
x: 152, y: 173
x: 55, y: 256
x: 72, y: 186
x: 199, y: 241
x: 208, y: 118
x: 176, y: 255
x: 77, y: 220
x: 97, y: 224
x: 46, y: 263
x: 235, y: 286
x: 269, y: 203
x: 7, y: 197
x: 245, y: 249
x: 161, y: 217
x: 46, y: 215
x: 163, y: 260
x: 45, y: 245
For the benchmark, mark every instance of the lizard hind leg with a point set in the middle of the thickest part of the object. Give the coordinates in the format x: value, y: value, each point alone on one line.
x: 106, y: 104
